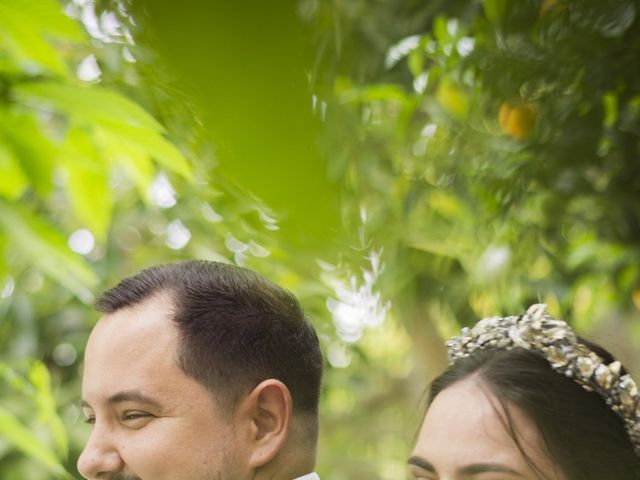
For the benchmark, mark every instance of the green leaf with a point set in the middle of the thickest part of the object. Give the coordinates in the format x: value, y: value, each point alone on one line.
x: 88, y: 183
x: 440, y: 31
x: 26, y: 29
x: 22, y: 39
x: 88, y: 104
x: 415, y: 61
x: 447, y: 245
x: 494, y: 9
x: 41, y: 380
x: 13, y: 181
x: 108, y: 111
x: 159, y: 148
x: 38, y: 390
x: 610, y: 104
x: 453, y: 99
x: 130, y: 157
x: 16, y: 381
x: 380, y: 92
x: 611, y: 19
x: 32, y: 148
x: 447, y: 205
x: 41, y: 245
x: 48, y: 16
x: 25, y: 441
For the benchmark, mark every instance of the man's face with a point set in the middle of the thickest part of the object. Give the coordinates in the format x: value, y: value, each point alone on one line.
x: 149, y: 420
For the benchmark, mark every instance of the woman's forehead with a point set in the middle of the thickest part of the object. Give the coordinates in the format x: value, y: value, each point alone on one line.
x: 469, y: 407
x: 466, y: 424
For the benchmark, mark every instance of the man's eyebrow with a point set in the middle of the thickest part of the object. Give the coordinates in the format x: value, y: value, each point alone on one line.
x: 132, y: 396
x: 422, y: 463
x: 127, y: 396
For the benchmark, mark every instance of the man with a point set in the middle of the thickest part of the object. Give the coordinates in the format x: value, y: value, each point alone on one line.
x: 201, y: 371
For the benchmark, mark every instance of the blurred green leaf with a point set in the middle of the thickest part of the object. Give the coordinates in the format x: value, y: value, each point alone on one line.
x: 132, y: 158
x: 48, y: 16
x: 88, y: 104
x: 31, y: 147
x: 415, y: 61
x: 88, y: 182
x: 610, y: 18
x: 441, y: 31
x: 374, y: 93
x: 155, y: 145
x: 453, y: 99
x: 22, y: 35
x: 443, y: 243
x: 610, y: 104
x: 41, y: 380
x: 25, y: 441
x: 35, y: 239
x: 494, y: 9
x: 13, y: 181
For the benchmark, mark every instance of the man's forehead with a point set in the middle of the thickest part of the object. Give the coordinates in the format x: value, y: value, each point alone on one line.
x: 152, y: 314
x: 132, y: 344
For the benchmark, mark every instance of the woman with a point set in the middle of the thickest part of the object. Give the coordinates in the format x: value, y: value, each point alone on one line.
x: 524, y: 398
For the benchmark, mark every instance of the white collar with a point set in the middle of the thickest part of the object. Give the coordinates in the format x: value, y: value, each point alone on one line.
x: 309, y: 476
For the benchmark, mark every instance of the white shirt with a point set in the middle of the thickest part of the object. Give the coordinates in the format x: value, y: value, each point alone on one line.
x: 308, y: 476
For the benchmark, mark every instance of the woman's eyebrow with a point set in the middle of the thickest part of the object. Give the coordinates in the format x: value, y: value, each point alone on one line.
x: 473, y: 469
x: 477, y: 468
x: 422, y: 463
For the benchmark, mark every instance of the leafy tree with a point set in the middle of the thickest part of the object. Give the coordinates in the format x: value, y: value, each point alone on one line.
x: 487, y: 148
x: 457, y: 158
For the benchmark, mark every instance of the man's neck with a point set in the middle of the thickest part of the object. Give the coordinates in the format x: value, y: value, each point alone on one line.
x: 286, y: 467
x: 309, y: 476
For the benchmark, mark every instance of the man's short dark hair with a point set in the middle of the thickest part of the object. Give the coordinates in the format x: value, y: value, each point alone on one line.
x: 236, y: 328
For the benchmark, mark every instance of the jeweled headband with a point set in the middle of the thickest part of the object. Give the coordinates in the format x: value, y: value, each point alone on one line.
x: 537, y: 331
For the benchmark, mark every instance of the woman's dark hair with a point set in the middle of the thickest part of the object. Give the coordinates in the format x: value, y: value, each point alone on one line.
x: 579, y: 432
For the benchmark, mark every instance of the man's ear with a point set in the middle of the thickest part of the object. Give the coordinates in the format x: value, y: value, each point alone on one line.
x: 269, y: 408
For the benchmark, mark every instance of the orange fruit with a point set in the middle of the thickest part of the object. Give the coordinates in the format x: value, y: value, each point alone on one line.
x: 517, y: 121
x: 551, y: 7
x: 546, y: 5
x: 635, y: 296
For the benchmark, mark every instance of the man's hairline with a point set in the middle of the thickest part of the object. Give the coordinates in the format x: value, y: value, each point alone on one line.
x: 169, y: 296
x: 228, y: 402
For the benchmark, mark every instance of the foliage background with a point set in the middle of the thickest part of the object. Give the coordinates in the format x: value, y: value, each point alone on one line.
x: 404, y: 167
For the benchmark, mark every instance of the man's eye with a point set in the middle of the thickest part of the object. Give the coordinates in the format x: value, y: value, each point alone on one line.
x: 419, y: 474
x: 135, y: 417
x: 90, y: 420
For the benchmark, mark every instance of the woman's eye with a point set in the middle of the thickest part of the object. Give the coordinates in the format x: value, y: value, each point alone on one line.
x: 90, y: 420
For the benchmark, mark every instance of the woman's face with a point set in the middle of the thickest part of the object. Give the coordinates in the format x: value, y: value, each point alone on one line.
x: 465, y: 436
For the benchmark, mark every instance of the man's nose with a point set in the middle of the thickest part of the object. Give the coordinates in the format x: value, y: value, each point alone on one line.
x: 100, y: 457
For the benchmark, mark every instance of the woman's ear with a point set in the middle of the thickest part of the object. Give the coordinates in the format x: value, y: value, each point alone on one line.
x: 268, y: 408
